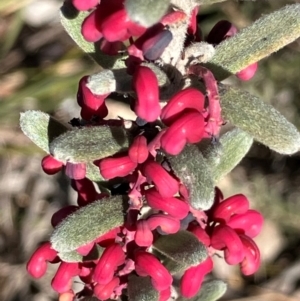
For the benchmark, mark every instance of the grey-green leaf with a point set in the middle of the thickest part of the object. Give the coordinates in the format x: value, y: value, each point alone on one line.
x: 89, y: 143
x: 88, y: 223
x: 141, y: 289
x: 71, y: 20
x: 193, y: 170
x: 183, y: 250
x: 146, y: 12
x: 234, y: 145
x: 210, y: 291
x: 41, y: 128
x: 260, y: 120
x: 265, y: 36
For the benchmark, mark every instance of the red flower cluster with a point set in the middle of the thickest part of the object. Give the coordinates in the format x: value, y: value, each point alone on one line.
x: 188, y: 117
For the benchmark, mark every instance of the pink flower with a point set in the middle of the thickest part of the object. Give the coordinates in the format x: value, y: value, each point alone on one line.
x: 67, y: 296
x: 165, y: 294
x: 193, y: 277
x: 249, y: 223
x: 225, y: 238
x: 112, y: 257
x: 90, y: 103
x: 76, y: 171
x: 248, y: 72
x: 89, y: 29
x: 37, y: 264
x: 166, y: 223
x: 143, y: 235
x: 166, y: 185
x: 61, y: 214
x: 103, y: 292
x: 171, y: 205
x: 147, y: 264
x: 221, y: 31
x: 200, y: 233
x: 112, y: 48
x: 235, y: 204
x: 251, y: 261
x: 62, y: 281
x: 50, y: 165
x: 85, y: 4
x: 138, y: 150
x: 116, y: 167
x: 189, y: 98
x: 188, y: 128
x: 145, y: 85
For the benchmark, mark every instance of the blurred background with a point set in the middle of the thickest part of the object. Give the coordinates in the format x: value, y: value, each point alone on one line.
x: 39, y: 69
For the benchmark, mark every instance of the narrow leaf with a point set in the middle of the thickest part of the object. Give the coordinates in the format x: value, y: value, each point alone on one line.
x: 265, y: 36
x: 183, y: 248
x: 89, y: 143
x: 146, y: 12
x: 193, y: 170
x: 71, y: 20
x: 210, y: 291
x: 88, y: 223
x: 141, y: 289
x: 260, y: 120
x: 41, y: 128
x: 228, y: 152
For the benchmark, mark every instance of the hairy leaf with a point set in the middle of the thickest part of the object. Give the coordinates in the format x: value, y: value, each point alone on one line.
x: 260, y: 120
x: 141, y: 289
x: 193, y: 170
x: 88, y: 223
x: 267, y: 35
x: 41, y: 128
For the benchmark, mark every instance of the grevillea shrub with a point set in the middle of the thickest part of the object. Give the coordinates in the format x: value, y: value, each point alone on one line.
x: 150, y: 217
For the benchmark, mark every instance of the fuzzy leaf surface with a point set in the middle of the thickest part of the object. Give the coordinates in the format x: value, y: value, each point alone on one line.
x: 183, y: 250
x: 89, y: 143
x: 265, y: 36
x: 141, y: 289
x: 146, y: 12
x: 88, y: 223
x: 210, y: 291
x: 41, y: 128
x: 195, y: 173
x: 260, y: 120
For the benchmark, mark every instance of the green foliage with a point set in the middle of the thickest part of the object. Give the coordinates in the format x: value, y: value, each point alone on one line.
x: 260, y: 120
x: 141, y: 289
x: 146, y: 12
x: 88, y: 223
x: 41, y: 128
x: 195, y: 173
x: 89, y: 143
x: 210, y: 291
x: 182, y: 250
x: 264, y: 37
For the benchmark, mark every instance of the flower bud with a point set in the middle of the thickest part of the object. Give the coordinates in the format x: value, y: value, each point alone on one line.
x: 251, y: 262
x: 50, y: 165
x: 62, y: 281
x: 235, y: 204
x: 147, y: 264
x: 221, y: 31
x: 37, y: 264
x: 85, y: 4
x: 116, y: 167
x: 225, y: 238
x: 146, y: 86
x: 76, y: 171
x: 89, y: 30
x: 62, y: 213
x: 248, y: 72
x: 103, y: 292
x: 189, y: 98
x: 193, y: 277
x: 167, y: 224
x: 138, y: 150
x: 67, y: 296
x: 189, y: 128
x: 166, y: 185
x: 171, y: 205
x: 248, y: 223
x: 143, y: 236
x: 112, y: 257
